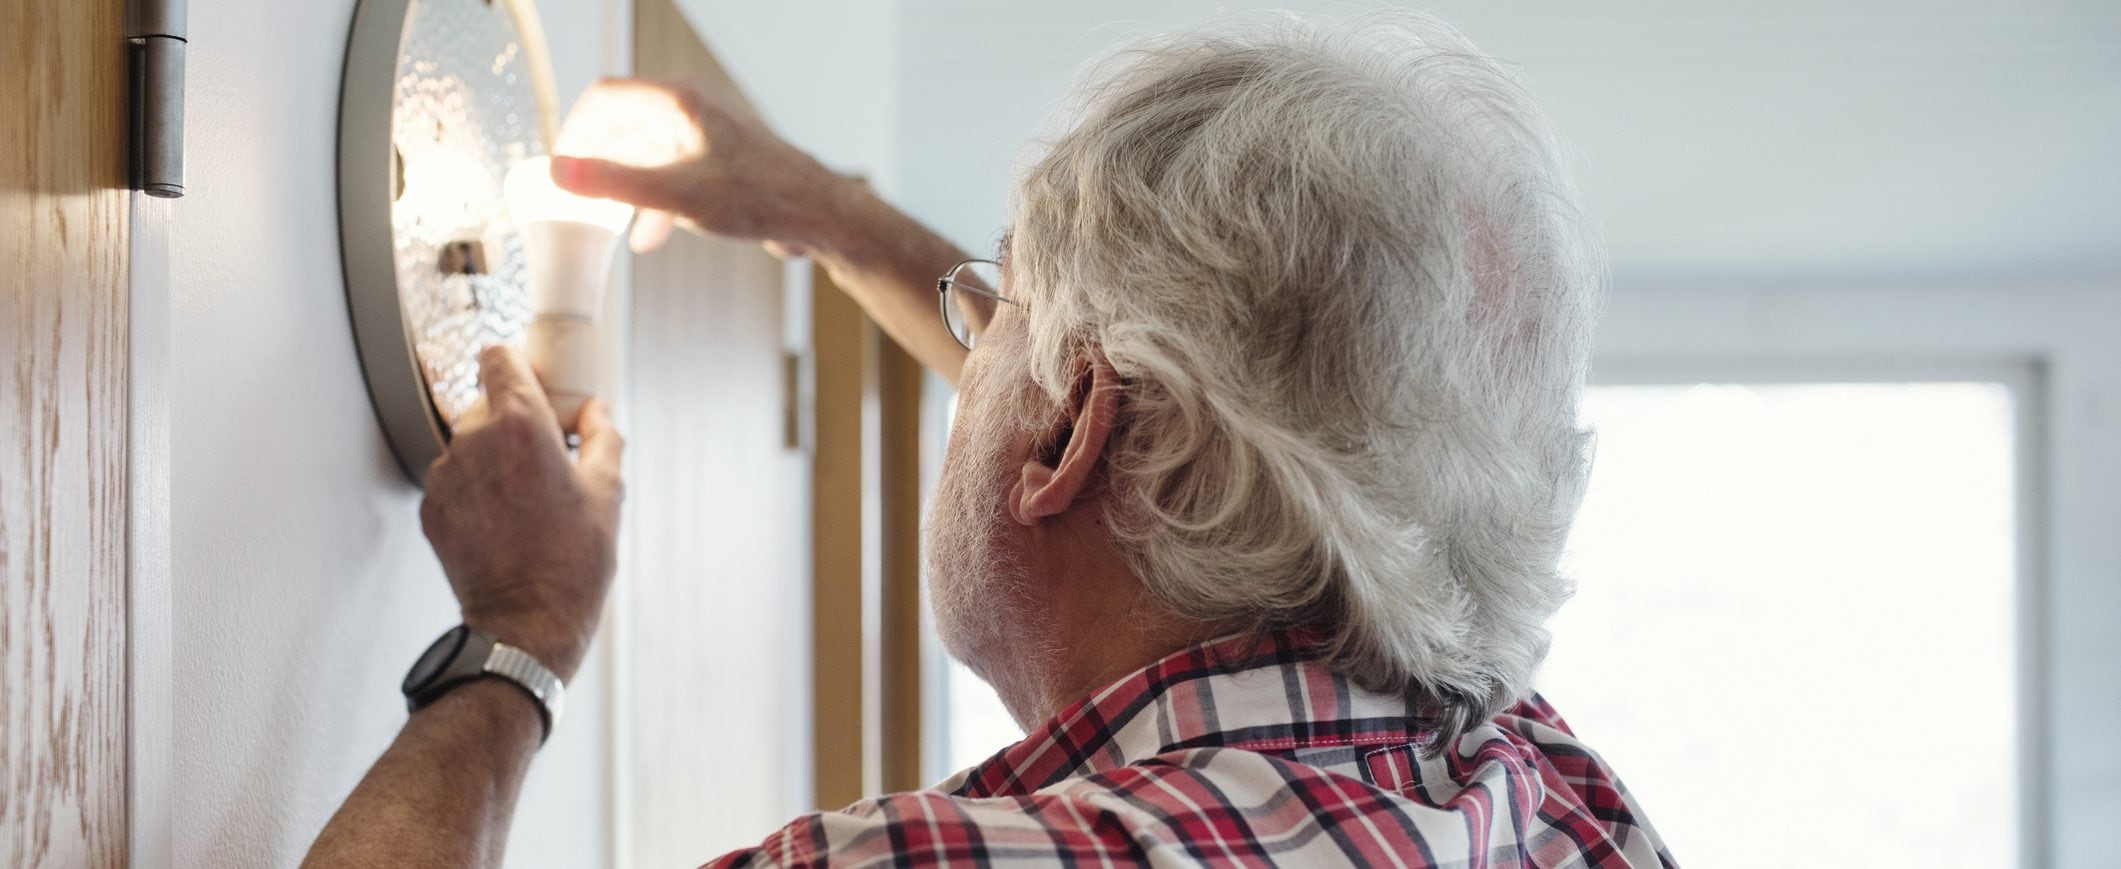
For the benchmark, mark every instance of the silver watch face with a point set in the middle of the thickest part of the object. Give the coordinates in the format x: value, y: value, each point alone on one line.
x: 435, y: 658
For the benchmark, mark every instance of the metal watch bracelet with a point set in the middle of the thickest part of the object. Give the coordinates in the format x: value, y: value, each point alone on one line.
x: 462, y: 655
x: 517, y: 666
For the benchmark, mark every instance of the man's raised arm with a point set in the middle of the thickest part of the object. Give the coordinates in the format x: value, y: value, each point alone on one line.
x: 742, y: 181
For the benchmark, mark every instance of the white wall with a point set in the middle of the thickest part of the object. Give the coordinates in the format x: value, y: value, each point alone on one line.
x: 1727, y: 139
x: 302, y: 585
x: 822, y: 71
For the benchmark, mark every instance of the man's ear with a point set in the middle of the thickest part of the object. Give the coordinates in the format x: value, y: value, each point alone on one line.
x: 1064, y: 464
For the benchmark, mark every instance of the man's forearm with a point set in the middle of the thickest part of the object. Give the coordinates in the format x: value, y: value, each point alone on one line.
x: 443, y: 793
x: 888, y: 263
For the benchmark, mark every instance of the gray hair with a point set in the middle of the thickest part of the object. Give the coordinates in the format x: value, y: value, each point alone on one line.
x: 1342, y: 271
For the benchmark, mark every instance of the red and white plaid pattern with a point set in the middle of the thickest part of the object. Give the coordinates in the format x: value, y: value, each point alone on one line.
x: 1248, y: 752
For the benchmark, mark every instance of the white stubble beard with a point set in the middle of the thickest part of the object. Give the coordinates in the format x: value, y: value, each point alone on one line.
x: 977, y: 583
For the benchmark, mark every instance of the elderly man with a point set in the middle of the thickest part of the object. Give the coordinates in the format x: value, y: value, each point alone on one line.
x: 1265, y: 454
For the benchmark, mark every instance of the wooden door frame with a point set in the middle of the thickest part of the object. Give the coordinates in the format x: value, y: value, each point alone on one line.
x: 901, y: 640
x: 841, y: 592
x: 866, y: 634
x: 150, y: 607
x: 68, y: 555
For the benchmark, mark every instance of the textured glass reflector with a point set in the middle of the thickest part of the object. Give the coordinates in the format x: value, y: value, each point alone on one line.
x: 465, y: 110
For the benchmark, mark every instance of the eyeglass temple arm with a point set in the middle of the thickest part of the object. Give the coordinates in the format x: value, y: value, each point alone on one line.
x: 945, y: 284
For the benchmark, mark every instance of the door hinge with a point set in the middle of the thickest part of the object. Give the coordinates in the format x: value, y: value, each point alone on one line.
x: 154, y: 30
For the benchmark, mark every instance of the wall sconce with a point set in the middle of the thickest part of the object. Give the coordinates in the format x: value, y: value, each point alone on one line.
x: 440, y: 100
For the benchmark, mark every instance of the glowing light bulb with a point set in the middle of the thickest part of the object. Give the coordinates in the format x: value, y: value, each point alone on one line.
x: 569, y: 241
x: 444, y: 188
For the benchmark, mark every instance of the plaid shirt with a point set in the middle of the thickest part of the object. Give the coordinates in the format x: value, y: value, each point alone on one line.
x: 1241, y: 752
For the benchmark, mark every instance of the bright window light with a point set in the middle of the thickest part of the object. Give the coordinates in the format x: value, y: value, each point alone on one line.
x: 1793, y: 634
x: 979, y: 725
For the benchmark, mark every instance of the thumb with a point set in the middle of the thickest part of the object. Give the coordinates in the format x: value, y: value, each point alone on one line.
x: 644, y: 186
x: 601, y: 444
x: 784, y: 250
x: 650, y: 230
x: 506, y: 377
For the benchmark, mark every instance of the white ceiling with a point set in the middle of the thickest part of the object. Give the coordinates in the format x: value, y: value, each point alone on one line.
x: 1722, y: 140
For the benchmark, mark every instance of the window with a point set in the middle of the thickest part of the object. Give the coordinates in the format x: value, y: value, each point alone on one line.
x: 978, y: 725
x: 1796, y: 606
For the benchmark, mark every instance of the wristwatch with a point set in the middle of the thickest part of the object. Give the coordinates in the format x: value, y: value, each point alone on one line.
x: 463, y: 655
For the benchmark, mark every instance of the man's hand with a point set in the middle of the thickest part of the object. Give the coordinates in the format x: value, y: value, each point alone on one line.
x: 527, y: 535
x: 701, y: 157
x: 731, y: 175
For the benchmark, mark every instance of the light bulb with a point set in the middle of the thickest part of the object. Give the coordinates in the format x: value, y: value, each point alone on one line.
x: 568, y: 241
x: 444, y: 188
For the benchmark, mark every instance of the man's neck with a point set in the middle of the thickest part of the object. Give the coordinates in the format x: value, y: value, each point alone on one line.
x: 1097, y: 622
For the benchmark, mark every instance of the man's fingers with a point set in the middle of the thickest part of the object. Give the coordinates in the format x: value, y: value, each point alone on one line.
x: 650, y: 230
x: 784, y: 251
x: 602, y: 446
x: 647, y: 187
x: 471, y: 417
x: 510, y: 384
x: 504, y: 370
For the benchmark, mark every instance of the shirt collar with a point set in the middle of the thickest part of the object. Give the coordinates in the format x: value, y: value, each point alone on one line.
x: 1262, y: 692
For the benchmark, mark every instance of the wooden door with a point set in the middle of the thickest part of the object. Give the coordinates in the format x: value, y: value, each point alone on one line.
x: 707, y: 642
x: 63, y: 433
x: 772, y: 589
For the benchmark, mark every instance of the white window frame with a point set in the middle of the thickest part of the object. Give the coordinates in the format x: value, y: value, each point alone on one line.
x: 2057, y: 346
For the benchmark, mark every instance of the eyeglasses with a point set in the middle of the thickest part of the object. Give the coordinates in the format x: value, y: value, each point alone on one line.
x: 968, y: 293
